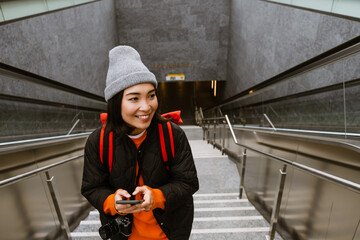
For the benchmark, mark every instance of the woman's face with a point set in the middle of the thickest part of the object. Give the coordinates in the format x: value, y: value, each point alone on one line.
x: 138, y: 106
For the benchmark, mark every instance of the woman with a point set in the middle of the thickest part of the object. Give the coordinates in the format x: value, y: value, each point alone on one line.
x: 167, y: 209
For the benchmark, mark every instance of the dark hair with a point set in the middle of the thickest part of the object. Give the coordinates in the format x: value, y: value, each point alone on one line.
x: 115, y: 123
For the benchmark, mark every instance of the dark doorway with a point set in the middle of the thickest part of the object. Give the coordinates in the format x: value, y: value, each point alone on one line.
x: 185, y: 96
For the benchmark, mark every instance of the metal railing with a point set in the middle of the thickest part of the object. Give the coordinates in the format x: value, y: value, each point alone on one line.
x: 52, y: 188
x: 207, y: 122
x: 302, y: 131
x: 16, y: 144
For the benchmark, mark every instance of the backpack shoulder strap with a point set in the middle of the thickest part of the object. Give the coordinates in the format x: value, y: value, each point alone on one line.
x: 106, y: 157
x: 110, y: 150
x: 166, y: 143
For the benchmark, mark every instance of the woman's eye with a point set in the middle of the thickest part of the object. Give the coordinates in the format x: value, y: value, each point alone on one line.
x: 152, y: 95
x: 133, y: 99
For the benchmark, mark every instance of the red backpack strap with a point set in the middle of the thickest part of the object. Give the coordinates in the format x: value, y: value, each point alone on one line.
x: 103, y: 142
x: 103, y: 117
x: 162, y: 144
x: 110, y: 151
x: 171, y: 139
x: 166, y: 143
x: 107, y: 150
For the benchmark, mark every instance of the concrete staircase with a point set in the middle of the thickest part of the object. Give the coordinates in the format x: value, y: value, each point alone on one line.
x: 219, y: 213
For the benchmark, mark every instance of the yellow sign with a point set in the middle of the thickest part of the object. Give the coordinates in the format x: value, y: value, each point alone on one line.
x: 175, y: 77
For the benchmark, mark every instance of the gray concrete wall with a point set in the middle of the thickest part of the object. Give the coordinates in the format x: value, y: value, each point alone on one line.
x: 178, y: 36
x: 267, y: 39
x: 69, y: 46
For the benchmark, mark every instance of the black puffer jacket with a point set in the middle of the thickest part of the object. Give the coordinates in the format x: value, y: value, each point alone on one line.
x: 177, y: 184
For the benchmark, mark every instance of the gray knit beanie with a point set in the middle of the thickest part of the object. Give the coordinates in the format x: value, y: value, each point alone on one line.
x: 125, y: 70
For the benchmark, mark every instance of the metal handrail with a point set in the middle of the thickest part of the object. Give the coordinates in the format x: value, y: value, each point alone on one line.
x: 302, y: 131
x: 355, y: 187
x: 347, y: 143
x: 9, y: 147
x: 352, y: 186
x: 26, y: 175
x: 35, y: 140
x: 52, y: 188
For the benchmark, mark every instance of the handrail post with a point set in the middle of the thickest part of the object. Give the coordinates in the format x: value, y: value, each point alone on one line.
x: 72, y: 128
x: 223, y: 138
x: 221, y: 114
x: 201, y: 113
x: 242, y: 179
x: 231, y: 129
x: 277, y: 203
x: 58, y: 207
x: 203, y: 128
x: 208, y: 132
x: 269, y: 121
x: 214, y: 133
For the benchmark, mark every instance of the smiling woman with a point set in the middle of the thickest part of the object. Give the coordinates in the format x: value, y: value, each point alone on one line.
x: 137, y: 167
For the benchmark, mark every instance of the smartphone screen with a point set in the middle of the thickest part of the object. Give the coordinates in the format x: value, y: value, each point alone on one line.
x: 132, y: 202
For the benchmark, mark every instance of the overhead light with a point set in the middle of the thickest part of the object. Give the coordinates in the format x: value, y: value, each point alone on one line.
x: 214, y: 88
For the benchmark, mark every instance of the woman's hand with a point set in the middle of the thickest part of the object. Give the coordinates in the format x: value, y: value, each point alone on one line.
x: 147, y: 196
x: 128, y: 208
x: 125, y: 208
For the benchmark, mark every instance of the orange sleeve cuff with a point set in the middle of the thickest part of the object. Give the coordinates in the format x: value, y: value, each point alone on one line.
x: 109, y: 205
x: 158, y: 198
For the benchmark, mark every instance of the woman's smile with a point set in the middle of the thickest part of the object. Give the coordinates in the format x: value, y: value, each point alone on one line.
x: 144, y: 117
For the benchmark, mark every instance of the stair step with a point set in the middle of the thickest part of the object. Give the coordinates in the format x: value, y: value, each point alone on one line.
x: 230, y: 234
x: 232, y: 213
x: 231, y: 224
x: 216, y: 195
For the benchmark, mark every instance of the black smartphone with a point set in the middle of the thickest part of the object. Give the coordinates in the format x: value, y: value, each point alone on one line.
x: 132, y: 202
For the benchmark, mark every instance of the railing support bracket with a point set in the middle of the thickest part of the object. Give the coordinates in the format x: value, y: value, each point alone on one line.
x: 277, y: 203
x: 242, y: 179
x: 58, y: 207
